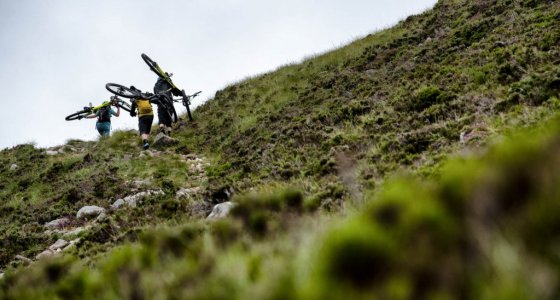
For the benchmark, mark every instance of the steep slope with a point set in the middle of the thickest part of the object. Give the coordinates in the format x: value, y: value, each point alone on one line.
x: 315, y: 153
x: 400, y: 97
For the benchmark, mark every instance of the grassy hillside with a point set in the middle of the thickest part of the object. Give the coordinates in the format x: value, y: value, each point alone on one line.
x: 419, y: 162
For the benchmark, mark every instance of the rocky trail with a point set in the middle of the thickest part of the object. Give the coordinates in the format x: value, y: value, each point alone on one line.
x: 68, y: 229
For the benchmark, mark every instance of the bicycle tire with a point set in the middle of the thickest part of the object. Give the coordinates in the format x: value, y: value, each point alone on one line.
x: 167, y: 103
x: 188, y: 111
x: 78, y: 115
x: 153, y: 66
x: 125, y: 105
x: 121, y: 90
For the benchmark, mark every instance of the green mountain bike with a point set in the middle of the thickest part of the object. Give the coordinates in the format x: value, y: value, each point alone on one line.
x: 88, y: 110
x: 133, y: 93
x: 186, y: 99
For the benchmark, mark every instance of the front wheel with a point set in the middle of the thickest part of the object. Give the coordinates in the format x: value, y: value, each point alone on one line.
x: 79, y: 115
x: 121, y: 90
x: 153, y: 65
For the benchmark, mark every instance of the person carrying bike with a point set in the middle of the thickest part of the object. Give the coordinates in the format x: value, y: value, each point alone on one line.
x: 143, y: 108
x: 164, y: 88
x: 103, y: 116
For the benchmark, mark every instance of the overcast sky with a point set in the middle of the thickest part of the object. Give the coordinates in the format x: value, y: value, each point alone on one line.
x: 57, y: 55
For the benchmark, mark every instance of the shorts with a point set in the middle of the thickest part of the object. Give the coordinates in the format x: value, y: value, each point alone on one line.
x: 145, y: 124
x: 104, y: 128
x: 164, y: 117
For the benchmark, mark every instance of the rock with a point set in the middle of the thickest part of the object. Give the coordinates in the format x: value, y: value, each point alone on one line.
x: 187, y: 192
x: 133, y: 200
x: 141, y: 183
x: 13, y: 167
x: 162, y: 140
x: 58, y: 223
x: 221, y: 210
x: 71, y: 245
x: 51, y: 152
x: 102, y: 216
x: 45, y: 254
x: 58, y: 245
x: 74, y: 232
x: 89, y: 211
x: 23, y: 259
x: 1, y: 275
x: 127, y: 157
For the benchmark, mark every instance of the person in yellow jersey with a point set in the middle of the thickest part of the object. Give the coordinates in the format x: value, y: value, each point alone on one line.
x: 143, y: 108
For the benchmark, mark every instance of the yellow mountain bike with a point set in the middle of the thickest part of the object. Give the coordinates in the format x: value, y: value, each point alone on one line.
x: 88, y: 110
x: 186, y: 99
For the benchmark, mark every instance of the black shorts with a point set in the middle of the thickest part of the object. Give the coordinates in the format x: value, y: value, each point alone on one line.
x: 145, y: 124
x: 163, y: 116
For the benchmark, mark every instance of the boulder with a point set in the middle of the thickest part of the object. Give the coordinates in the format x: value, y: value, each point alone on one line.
x: 51, y: 152
x: 58, y: 223
x: 13, y: 167
x: 58, y: 245
x: 162, y: 140
x: 71, y: 245
x: 89, y: 211
x: 221, y: 210
x: 1, y: 275
x: 45, y: 254
x: 23, y: 259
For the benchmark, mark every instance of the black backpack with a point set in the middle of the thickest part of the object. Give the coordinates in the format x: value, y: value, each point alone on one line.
x: 104, y: 115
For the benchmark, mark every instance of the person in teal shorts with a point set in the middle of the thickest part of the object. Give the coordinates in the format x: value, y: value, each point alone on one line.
x: 103, y: 116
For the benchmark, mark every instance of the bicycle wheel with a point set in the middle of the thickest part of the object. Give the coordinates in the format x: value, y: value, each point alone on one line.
x: 187, y: 102
x: 78, y: 115
x: 153, y: 66
x: 121, y: 90
x: 125, y: 105
x: 167, y: 103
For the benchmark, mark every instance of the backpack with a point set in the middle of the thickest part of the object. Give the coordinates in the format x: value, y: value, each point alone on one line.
x: 144, y: 107
x: 104, y: 115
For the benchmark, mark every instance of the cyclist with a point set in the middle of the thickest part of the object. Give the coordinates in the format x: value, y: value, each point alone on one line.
x: 145, y: 117
x: 163, y: 86
x: 103, y: 116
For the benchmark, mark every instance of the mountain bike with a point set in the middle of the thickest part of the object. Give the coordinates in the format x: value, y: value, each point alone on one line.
x: 88, y: 110
x: 162, y: 100
x: 174, y: 89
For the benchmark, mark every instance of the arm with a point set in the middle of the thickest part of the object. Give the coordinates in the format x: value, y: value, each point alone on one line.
x: 133, y: 109
x: 118, y: 113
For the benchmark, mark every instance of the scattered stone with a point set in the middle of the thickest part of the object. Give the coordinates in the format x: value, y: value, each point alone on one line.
x: 133, y: 200
x: 102, y: 216
x: 58, y: 245
x: 89, y: 211
x: 13, y: 167
x: 162, y: 140
x: 58, y: 223
x: 141, y: 183
x: 23, y: 259
x: 51, y: 152
x: 127, y: 157
x: 187, y: 192
x: 190, y: 157
x: 74, y: 232
x: 45, y: 254
x: 221, y: 210
x: 71, y: 245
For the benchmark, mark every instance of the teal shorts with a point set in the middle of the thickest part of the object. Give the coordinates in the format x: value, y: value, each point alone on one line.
x: 104, y: 128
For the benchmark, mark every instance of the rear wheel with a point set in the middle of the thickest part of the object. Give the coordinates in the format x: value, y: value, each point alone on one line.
x: 121, y: 90
x: 79, y: 115
x: 124, y: 105
x: 153, y: 66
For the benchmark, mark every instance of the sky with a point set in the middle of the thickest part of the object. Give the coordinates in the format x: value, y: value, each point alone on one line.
x: 57, y: 55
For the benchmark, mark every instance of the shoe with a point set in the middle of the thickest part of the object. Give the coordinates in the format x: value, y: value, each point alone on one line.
x: 146, y: 146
